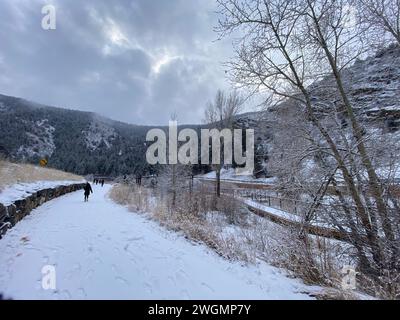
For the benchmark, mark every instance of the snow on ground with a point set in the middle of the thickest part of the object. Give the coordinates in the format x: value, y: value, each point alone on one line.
x: 229, y: 174
x: 23, y: 190
x: 102, y: 251
x: 276, y: 212
x: 282, y: 214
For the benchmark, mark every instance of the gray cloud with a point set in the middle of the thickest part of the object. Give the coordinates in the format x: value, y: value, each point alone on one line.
x: 136, y: 61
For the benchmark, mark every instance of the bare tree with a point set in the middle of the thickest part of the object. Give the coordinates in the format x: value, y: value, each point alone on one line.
x: 174, y: 177
x: 174, y: 181
x: 380, y: 17
x: 286, y: 48
x: 330, y: 32
x: 221, y: 114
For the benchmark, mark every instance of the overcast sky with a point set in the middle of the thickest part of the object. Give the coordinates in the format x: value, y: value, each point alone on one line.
x: 137, y: 61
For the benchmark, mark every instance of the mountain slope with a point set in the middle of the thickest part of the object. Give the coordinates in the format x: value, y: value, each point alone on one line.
x: 75, y: 141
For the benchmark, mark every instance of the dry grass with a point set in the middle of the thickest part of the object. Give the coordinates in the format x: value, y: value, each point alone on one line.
x: 193, y: 227
x: 137, y: 199
x: 12, y: 173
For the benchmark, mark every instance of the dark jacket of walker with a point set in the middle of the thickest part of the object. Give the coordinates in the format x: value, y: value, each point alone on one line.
x: 88, y: 189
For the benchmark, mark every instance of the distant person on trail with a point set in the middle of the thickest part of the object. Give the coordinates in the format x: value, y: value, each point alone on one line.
x: 102, y: 183
x: 139, y: 180
x: 88, y: 190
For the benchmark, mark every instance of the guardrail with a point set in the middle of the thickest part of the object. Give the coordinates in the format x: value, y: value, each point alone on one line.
x: 291, y: 206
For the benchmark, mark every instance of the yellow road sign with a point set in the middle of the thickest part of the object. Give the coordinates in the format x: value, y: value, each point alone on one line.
x: 43, y: 162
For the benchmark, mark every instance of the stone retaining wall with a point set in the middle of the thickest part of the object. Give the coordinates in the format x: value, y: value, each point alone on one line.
x: 12, y: 214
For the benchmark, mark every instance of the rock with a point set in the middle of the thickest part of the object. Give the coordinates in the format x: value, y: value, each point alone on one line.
x: 11, y: 215
x: 50, y: 194
x: 4, y: 226
x: 3, y: 212
x: 41, y: 197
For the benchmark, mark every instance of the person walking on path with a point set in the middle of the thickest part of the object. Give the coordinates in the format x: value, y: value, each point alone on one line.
x: 88, y: 190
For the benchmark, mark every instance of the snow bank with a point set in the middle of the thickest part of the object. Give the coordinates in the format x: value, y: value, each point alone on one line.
x: 22, y: 190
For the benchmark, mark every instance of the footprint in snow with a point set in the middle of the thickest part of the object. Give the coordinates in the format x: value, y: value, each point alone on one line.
x: 149, y: 288
x: 98, y: 260
x: 122, y: 280
x: 89, y: 274
x: 115, y: 269
x: 207, y: 286
x: 156, y: 283
x: 135, y: 239
x: 185, y: 295
x: 24, y: 240
x: 82, y: 293
x: 66, y: 295
x: 172, y: 280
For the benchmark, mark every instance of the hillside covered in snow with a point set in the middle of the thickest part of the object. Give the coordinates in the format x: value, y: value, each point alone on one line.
x: 74, y: 141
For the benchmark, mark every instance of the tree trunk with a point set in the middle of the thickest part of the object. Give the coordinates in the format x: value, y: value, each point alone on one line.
x: 374, y: 184
x: 218, y: 182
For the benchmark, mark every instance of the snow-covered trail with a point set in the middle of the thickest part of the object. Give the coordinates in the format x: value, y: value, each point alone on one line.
x: 100, y: 250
